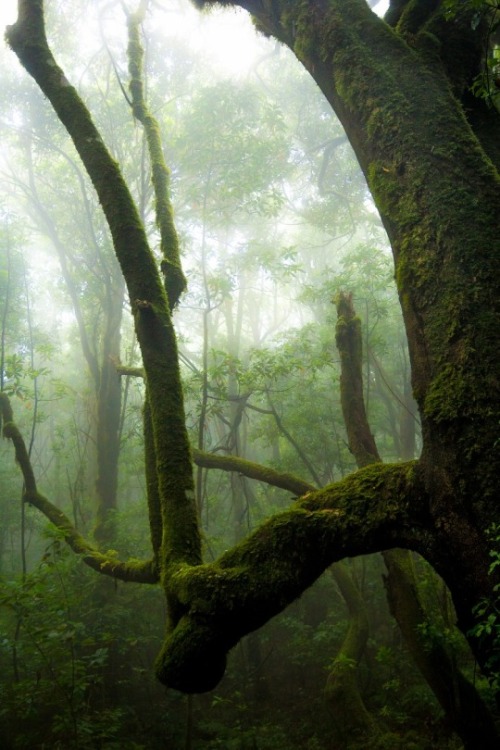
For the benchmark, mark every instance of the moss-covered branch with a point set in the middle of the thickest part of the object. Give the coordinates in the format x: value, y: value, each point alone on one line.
x: 133, y: 372
x: 132, y: 571
x: 463, y: 706
x: 252, y: 470
x: 377, y: 508
x: 175, y: 281
x: 342, y: 692
x: 341, y: 689
x: 349, y: 344
x: 11, y: 432
x: 150, y: 307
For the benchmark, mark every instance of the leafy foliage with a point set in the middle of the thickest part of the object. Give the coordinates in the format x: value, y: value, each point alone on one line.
x: 487, y: 612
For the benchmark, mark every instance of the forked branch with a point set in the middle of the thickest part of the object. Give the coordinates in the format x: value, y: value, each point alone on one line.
x: 150, y: 307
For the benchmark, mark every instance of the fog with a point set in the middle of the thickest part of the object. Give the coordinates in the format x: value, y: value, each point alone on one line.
x: 275, y: 221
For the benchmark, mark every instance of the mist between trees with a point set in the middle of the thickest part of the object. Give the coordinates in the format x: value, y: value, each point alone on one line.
x: 249, y: 376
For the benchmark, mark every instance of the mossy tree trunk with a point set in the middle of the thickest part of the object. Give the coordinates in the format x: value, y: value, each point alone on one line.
x: 464, y: 708
x: 430, y: 154
x: 350, y: 715
x: 149, y: 303
x: 398, y: 92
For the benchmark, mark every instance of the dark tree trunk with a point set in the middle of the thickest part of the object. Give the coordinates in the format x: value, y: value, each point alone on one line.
x: 459, y: 699
x: 350, y: 715
x: 399, y: 93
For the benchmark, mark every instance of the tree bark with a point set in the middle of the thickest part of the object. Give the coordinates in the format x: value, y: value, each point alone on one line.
x: 350, y: 715
x: 464, y: 708
x: 400, y: 99
x: 150, y: 307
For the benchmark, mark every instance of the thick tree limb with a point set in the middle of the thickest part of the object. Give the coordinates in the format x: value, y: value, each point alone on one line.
x: 110, y: 566
x: 341, y: 688
x: 221, y: 602
x: 459, y: 699
x: 377, y: 508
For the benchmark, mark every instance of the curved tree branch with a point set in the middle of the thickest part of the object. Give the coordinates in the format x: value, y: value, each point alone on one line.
x: 283, y: 480
x: 175, y: 281
x: 133, y: 570
x: 150, y: 307
x: 379, y: 507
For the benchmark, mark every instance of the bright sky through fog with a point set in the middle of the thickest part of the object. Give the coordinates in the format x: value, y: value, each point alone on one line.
x: 231, y: 38
x: 227, y: 36
x: 8, y: 13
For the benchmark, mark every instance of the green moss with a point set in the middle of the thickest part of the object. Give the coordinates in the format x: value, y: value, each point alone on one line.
x: 445, y: 397
x: 175, y: 281
x: 219, y: 602
x: 152, y: 490
x: 180, y: 535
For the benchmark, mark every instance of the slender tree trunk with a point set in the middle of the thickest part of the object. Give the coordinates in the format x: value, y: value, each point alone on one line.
x: 109, y: 401
x: 350, y: 715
